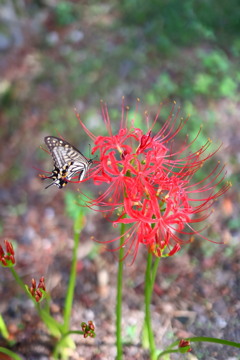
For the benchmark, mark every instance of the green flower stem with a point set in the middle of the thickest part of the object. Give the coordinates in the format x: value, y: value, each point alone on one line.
x: 198, y: 339
x: 10, y: 353
x: 3, y: 328
x: 61, y: 341
x: 119, y: 298
x: 166, y: 352
x: 22, y: 285
x: 154, y: 273
x: 148, y: 296
x: 72, y: 280
x: 214, y: 340
x: 145, y: 338
x: 19, y: 281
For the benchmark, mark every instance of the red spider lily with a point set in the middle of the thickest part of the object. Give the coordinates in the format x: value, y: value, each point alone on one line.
x: 184, y: 346
x: 150, y: 183
x: 7, y: 258
x: 37, y: 292
x: 88, y: 329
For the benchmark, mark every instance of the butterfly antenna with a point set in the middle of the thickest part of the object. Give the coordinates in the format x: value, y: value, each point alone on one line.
x: 49, y: 185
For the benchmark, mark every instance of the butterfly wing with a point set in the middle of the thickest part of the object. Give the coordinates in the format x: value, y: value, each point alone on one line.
x: 68, y: 160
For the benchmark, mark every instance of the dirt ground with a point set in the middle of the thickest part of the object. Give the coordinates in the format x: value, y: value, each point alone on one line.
x: 197, y: 292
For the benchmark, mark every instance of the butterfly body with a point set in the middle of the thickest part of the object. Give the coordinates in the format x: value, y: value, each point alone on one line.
x: 68, y: 162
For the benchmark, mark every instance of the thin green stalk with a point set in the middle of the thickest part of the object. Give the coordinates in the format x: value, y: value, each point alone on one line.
x: 119, y: 298
x: 61, y: 341
x: 3, y: 328
x: 169, y: 349
x: 154, y: 273
x: 19, y: 281
x: 214, y: 340
x: 72, y: 279
x: 166, y: 352
x: 148, y: 296
x: 145, y: 339
x: 22, y: 285
x: 10, y: 353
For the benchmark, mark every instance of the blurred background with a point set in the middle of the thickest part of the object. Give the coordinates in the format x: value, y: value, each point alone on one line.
x: 59, y: 55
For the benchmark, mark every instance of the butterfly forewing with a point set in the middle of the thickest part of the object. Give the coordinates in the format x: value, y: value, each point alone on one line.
x: 68, y: 161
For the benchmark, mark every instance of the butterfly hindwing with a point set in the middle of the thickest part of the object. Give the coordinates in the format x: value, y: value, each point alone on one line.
x: 68, y: 161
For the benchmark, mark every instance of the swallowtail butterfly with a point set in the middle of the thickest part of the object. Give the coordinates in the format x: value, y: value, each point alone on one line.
x: 68, y: 161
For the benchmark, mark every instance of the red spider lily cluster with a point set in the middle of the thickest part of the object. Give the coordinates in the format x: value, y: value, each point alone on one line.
x: 184, y: 346
x: 7, y: 258
x: 37, y: 292
x: 88, y: 329
x: 150, y: 185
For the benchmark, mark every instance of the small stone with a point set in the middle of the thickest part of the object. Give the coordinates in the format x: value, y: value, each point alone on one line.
x: 52, y: 38
x: 75, y: 36
x: 5, y: 42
